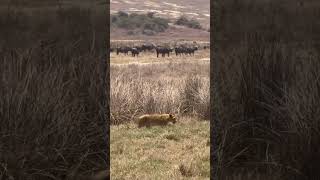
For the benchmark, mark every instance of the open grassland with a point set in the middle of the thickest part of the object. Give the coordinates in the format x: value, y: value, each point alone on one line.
x: 147, y: 84
x: 179, y: 86
x: 180, y: 151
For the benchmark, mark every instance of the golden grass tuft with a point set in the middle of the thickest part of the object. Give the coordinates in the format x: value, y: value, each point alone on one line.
x: 179, y: 87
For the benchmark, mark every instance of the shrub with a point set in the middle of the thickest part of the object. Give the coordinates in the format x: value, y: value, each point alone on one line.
x: 150, y: 14
x: 184, y: 21
x: 145, y: 23
x: 148, y: 32
x: 123, y: 14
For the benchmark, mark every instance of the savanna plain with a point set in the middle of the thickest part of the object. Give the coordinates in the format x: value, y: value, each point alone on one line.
x: 147, y: 85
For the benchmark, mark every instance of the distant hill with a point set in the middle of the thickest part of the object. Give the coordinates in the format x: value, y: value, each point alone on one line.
x: 171, y: 9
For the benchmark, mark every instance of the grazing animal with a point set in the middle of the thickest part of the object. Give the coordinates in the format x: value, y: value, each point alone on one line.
x: 163, y: 51
x: 191, y: 51
x: 124, y: 50
x: 179, y: 50
x: 147, y: 47
x: 135, y: 52
x: 185, y: 50
x: 206, y: 47
x: 156, y: 120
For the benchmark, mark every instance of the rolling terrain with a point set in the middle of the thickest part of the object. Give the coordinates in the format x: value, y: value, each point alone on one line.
x: 172, y: 9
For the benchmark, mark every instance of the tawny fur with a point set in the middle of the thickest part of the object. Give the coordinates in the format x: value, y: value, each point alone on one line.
x: 156, y: 120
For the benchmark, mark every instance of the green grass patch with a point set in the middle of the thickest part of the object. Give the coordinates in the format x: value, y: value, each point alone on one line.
x: 160, y: 152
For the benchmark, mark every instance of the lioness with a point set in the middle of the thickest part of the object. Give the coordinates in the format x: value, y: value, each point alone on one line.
x: 156, y: 120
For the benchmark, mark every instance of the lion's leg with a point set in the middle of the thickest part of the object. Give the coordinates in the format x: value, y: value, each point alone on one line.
x: 148, y: 125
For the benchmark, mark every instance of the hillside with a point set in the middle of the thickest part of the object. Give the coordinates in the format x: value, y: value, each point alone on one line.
x: 172, y: 10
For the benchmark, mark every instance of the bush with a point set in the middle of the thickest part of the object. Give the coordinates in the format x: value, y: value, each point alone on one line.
x: 150, y: 14
x: 184, y: 21
x: 148, y: 32
x: 123, y: 14
x: 145, y: 23
x: 131, y: 33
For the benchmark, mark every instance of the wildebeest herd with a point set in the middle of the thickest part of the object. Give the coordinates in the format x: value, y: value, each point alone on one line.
x: 159, y: 50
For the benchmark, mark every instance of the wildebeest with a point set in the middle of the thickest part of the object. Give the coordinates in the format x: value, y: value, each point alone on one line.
x: 179, y: 50
x: 147, y: 47
x: 186, y: 50
x: 163, y: 51
x: 191, y: 50
x: 206, y: 47
x: 135, y: 52
x: 124, y: 50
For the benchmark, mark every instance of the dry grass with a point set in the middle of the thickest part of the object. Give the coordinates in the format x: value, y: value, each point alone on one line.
x: 51, y: 109
x: 267, y: 102
x: 179, y: 87
x: 178, y: 151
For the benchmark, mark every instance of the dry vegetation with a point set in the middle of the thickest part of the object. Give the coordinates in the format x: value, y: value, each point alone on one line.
x: 148, y: 84
x: 174, y: 86
x: 52, y: 124
x: 267, y: 98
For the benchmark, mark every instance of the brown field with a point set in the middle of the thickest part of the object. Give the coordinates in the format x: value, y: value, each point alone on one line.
x: 147, y: 84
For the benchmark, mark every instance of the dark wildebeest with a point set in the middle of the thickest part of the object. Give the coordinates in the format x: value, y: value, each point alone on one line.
x: 135, y: 52
x: 163, y: 51
x: 179, y: 50
x: 124, y: 50
x: 139, y: 48
x: 147, y: 47
x: 191, y: 50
